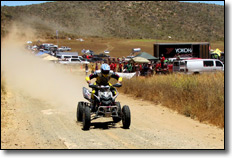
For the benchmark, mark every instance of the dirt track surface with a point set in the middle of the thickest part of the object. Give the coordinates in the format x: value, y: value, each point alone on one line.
x: 32, y: 123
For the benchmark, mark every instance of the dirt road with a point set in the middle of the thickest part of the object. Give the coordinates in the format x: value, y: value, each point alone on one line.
x: 32, y: 123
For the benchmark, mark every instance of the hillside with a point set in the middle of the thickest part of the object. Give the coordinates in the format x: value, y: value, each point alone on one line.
x: 123, y: 19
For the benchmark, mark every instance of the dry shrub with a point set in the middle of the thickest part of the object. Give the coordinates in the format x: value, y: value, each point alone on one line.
x: 196, y: 96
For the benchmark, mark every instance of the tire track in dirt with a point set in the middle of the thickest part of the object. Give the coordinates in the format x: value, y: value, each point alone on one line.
x: 109, y: 47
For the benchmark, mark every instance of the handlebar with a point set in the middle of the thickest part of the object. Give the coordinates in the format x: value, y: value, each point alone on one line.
x: 96, y: 86
x: 93, y: 86
x: 117, y: 85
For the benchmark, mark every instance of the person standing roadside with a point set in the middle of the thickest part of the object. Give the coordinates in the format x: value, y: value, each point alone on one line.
x: 162, y: 61
x: 112, y: 66
x: 115, y: 67
x: 125, y: 67
x: 96, y: 67
x: 86, y: 69
x: 129, y: 67
x: 178, y: 56
x: 137, y: 70
x: 120, y: 67
x: 92, y: 68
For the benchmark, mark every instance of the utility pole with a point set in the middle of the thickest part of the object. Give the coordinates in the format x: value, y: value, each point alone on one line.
x: 57, y: 37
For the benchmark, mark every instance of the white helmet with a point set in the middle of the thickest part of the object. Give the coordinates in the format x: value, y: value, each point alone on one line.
x: 105, y: 69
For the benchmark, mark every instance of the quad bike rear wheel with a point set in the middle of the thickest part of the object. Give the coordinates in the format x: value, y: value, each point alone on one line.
x: 126, y: 117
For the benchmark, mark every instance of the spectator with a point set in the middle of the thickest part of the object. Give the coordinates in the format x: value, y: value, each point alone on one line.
x: 140, y: 67
x: 137, y: 70
x: 157, y: 67
x: 115, y: 66
x: 109, y: 61
x: 133, y: 67
x: 120, y: 67
x: 150, y: 70
x: 178, y: 56
x: 145, y: 69
x: 86, y: 69
x: 112, y: 66
x: 96, y: 67
x: 92, y: 68
x: 129, y: 67
x: 162, y: 61
x: 125, y: 67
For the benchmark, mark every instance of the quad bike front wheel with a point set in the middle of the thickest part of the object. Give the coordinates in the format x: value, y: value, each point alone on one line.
x: 86, y: 118
x: 126, y: 117
x: 80, y: 107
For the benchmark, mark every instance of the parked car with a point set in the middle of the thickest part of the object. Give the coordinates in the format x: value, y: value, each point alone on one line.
x: 196, y: 66
x: 77, y: 60
x: 48, y: 47
x: 70, y: 58
x: 64, y: 55
x: 95, y: 59
x: 64, y: 48
x: 101, y: 55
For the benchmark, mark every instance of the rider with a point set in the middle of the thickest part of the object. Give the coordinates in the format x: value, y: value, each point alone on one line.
x: 102, y: 78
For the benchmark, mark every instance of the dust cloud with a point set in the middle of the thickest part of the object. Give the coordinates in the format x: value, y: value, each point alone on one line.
x: 28, y: 74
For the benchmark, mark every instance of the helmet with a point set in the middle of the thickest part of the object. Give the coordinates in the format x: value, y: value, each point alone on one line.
x: 105, y: 69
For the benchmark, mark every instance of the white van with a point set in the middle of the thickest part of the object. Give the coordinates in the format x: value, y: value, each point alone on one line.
x: 70, y: 58
x: 67, y: 55
x: 196, y: 66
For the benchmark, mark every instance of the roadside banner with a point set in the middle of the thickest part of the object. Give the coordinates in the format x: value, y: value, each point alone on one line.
x: 126, y: 75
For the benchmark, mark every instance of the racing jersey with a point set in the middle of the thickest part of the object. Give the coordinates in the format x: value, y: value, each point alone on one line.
x: 102, y: 79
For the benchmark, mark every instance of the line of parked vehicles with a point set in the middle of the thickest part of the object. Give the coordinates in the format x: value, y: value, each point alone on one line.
x: 52, y: 47
x: 66, y: 57
x: 183, y: 65
x: 74, y: 58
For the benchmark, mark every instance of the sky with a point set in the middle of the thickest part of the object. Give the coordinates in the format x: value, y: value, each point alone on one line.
x: 209, y: 2
x: 18, y: 3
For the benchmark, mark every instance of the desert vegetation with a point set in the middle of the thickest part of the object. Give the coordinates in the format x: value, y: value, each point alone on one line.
x: 200, y: 97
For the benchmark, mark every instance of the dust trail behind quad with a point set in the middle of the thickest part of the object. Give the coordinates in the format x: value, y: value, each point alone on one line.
x: 41, y: 112
x: 36, y: 77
